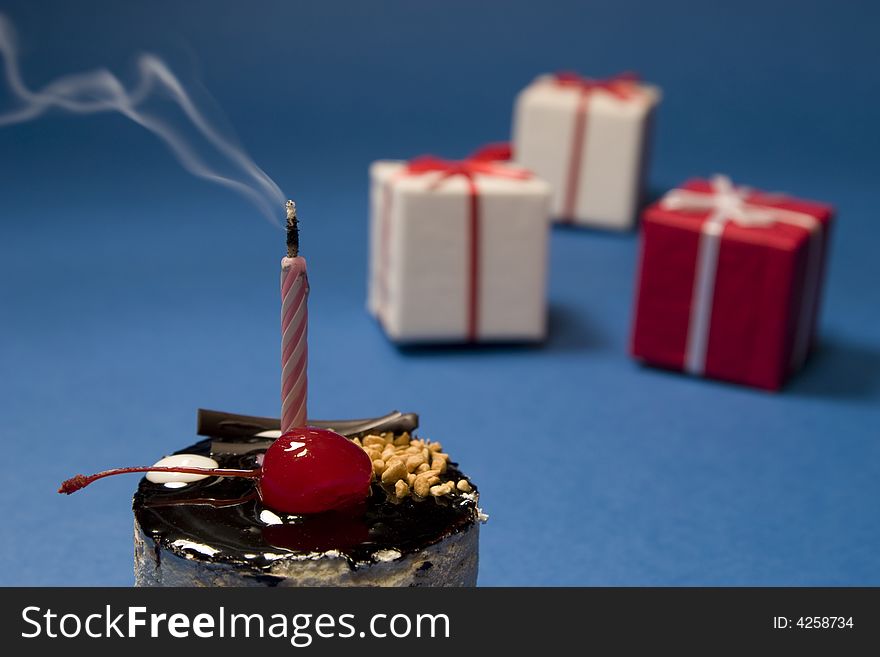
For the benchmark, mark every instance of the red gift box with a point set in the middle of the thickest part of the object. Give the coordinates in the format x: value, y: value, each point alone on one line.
x: 729, y: 282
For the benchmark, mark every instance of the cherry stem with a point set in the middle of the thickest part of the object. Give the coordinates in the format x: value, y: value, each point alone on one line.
x: 81, y: 481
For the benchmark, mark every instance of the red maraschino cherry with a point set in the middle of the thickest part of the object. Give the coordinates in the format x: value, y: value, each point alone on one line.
x: 306, y: 470
x: 311, y: 470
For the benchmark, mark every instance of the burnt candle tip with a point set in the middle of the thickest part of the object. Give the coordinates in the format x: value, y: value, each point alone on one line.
x: 292, y: 231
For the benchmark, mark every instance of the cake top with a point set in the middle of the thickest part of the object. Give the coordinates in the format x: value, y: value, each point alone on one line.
x: 418, y: 497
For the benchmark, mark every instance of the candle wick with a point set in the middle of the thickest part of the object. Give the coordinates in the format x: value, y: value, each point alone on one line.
x: 292, y: 231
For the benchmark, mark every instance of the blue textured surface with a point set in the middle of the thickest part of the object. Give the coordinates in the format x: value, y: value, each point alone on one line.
x: 131, y: 293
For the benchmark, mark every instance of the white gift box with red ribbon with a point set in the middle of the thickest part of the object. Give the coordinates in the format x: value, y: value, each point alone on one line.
x: 458, y: 251
x: 589, y: 140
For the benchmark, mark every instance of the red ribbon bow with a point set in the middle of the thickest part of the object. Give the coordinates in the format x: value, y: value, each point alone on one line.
x: 486, y: 161
x: 622, y: 85
x: 498, y: 152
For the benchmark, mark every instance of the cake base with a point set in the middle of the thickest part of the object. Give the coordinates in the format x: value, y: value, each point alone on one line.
x: 451, y: 562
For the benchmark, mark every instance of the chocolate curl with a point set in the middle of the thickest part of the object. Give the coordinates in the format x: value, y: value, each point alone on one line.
x: 231, y: 426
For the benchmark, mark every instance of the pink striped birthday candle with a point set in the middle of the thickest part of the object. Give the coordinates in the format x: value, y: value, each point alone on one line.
x: 294, y: 329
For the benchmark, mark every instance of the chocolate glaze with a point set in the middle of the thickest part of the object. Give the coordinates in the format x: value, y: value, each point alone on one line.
x: 218, y: 519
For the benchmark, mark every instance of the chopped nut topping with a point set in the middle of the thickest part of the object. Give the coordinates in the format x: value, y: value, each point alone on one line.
x: 424, y: 481
x: 374, y: 440
x: 410, y: 466
x: 441, y: 489
x: 438, y: 462
x: 401, y: 489
x: 414, y: 462
x: 395, y: 471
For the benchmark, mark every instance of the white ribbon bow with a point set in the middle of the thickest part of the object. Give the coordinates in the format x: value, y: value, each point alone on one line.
x: 728, y: 203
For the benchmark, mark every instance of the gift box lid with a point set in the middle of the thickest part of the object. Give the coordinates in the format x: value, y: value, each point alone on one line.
x: 776, y: 234
x: 545, y: 90
x: 384, y: 171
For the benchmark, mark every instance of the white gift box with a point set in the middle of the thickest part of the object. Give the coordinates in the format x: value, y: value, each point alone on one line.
x: 588, y: 139
x: 458, y: 256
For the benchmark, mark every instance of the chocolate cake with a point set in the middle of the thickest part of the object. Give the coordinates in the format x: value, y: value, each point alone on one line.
x: 419, y: 526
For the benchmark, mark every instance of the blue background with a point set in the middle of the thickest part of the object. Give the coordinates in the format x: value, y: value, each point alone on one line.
x: 132, y: 293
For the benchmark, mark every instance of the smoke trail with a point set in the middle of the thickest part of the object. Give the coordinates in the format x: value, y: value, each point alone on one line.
x: 101, y: 91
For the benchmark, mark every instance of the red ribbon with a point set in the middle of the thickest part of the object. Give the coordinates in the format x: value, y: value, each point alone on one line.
x: 485, y: 161
x: 622, y: 86
x: 498, y: 152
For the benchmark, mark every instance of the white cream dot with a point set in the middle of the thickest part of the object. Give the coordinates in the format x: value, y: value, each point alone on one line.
x: 269, y: 518
x: 181, y: 461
